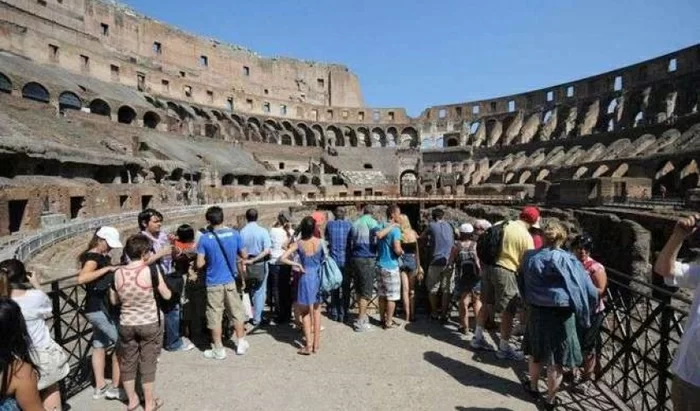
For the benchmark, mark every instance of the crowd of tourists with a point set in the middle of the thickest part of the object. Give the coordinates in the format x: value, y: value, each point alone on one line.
x: 168, y: 290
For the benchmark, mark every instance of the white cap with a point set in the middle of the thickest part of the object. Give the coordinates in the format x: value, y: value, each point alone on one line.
x: 482, y: 224
x: 466, y: 228
x: 110, y: 235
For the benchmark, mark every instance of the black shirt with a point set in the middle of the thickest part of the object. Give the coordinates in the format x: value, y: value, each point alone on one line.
x: 97, y: 289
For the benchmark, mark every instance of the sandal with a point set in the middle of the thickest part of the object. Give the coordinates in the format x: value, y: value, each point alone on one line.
x: 133, y: 409
x: 527, y: 384
x: 157, y: 403
x: 304, y: 351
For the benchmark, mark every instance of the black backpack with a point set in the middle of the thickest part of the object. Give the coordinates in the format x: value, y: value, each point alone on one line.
x: 488, y: 247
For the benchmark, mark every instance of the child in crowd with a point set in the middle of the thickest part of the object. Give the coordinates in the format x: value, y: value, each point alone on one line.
x: 194, y: 293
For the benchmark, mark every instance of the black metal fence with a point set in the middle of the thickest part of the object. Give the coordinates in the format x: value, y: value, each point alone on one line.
x: 642, y: 329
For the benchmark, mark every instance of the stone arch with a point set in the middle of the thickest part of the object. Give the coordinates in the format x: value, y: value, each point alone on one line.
x: 542, y: 175
x: 254, y: 121
x: 580, y: 173
x: 334, y: 136
x: 363, y: 137
x: 452, y: 141
x: 524, y: 177
x: 392, y: 137
x: 286, y: 140
x: 615, y: 149
x: 272, y: 123
x: 620, y: 171
x: 212, y: 130
x: 316, y: 180
x: 228, y: 179
x: 308, y: 134
x: 100, y: 107
x: 151, y: 119
x: 668, y: 176
x: 409, y: 137
x: 689, y: 177
x: 158, y: 173
x: 319, y: 135
x: 35, y: 91
x: 5, y: 84
x: 408, y: 182
x: 303, y: 179
x: 126, y: 115
x: 378, y: 137
x: 600, y: 171
x: 69, y: 101
x: 238, y: 120
x: 201, y: 112
x: 350, y: 136
x: 175, y: 110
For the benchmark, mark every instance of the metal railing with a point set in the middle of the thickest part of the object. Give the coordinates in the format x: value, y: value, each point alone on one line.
x: 642, y: 329
x: 405, y: 199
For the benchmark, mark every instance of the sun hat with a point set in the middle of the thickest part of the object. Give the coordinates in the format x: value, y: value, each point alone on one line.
x: 466, y: 228
x: 110, y: 235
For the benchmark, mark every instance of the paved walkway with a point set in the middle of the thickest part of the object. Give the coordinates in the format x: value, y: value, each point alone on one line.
x: 421, y: 367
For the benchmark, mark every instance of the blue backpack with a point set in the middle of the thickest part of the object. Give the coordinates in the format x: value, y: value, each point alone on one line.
x: 331, y: 277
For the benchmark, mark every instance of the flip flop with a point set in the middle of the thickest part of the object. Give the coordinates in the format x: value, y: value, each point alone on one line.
x: 134, y: 409
x: 157, y: 403
x: 304, y: 351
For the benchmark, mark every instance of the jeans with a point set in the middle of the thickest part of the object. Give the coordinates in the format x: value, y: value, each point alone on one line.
x: 280, y: 283
x: 340, y: 299
x: 258, y: 295
x: 172, y: 340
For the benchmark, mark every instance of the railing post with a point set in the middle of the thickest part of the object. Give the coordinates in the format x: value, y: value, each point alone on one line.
x: 58, y: 328
x: 664, y: 353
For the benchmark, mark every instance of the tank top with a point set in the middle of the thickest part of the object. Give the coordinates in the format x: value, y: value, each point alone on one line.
x: 592, y: 266
x: 409, y: 248
x: 138, y: 306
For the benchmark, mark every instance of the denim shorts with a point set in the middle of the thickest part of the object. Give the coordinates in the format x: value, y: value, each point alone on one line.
x: 104, y: 330
x: 408, y: 263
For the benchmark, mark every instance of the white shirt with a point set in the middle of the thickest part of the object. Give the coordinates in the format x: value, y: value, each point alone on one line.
x: 686, y: 365
x: 36, y: 308
x: 279, y: 238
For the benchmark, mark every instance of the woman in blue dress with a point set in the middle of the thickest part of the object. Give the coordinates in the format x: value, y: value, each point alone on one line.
x: 18, y: 374
x: 310, y: 252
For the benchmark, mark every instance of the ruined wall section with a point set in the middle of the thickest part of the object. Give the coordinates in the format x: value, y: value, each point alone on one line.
x: 93, y: 37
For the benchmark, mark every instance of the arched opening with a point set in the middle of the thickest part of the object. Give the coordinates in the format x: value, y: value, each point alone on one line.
x: 307, y: 134
x: 367, y: 166
x: 391, y: 137
x: 286, y: 140
x: 408, y: 184
x: 363, y: 137
x: 335, y: 136
x: 378, y: 137
x: 303, y: 179
x: 639, y: 119
x: 473, y: 127
x: 5, y: 84
x: 151, y: 119
x: 69, y: 101
x: 211, y: 130
x: 227, y: 180
x: 176, y: 111
x: 315, y: 180
x: 452, y: 142
x: 126, y: 115
x: 35, y: 91
x: 100, y: 107
x: 319, y: 135
x: 409, y: 137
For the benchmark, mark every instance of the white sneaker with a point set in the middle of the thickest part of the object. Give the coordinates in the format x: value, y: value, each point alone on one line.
x: 242, y: 347
x: 481, y: 344
x: 215, y: 353
x: 510, y: 353
x: 109, y: 392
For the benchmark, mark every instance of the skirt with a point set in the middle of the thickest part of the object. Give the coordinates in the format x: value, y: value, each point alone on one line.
x: 53, y: 365
x: 551, y: 336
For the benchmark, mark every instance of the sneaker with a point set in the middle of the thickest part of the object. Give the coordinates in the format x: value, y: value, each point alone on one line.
x: 185, y: 346
x: 481, y: 344
x: 242, y: 347
x: 215, y: 353
x: 363, y: 327
x: 510, y: 354
x: 109, y: 392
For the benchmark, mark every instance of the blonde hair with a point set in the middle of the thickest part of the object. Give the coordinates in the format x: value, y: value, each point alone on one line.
x: 554, y: 233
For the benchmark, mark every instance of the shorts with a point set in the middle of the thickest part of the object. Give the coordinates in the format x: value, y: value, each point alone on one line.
x: 589, y: 338
x: 408, y: 264
x: 363, y: 271
x: 224, y: 297
x: 439, y: 279
x: 389, y: 284
x: 500, y: 288
x: 53, y: 365
x: 104, y: 330
x: 139, y: 348
x: 468, y: 284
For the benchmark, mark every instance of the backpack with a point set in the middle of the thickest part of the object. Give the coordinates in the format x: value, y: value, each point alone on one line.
x: 488, y: 247
x: 468, y: 265
x: 331, y: 277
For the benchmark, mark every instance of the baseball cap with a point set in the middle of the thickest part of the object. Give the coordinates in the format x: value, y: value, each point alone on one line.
x: 531, y: 215
x: 466, y: 228
x: 110, y: 235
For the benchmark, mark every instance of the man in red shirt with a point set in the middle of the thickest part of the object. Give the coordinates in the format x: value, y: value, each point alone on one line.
x: 531, y: 215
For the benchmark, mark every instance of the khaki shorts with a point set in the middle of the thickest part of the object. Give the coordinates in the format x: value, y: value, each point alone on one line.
x: 499, y: 287
x: 439, y: 278
x: 220, y: 297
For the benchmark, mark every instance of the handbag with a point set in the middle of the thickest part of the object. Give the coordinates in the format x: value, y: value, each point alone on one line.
x: 247, y: 305
x: 331, y: 277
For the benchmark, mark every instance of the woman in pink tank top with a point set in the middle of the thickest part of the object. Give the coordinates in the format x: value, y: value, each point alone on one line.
x: 589, y: 338
x: 140, y: 328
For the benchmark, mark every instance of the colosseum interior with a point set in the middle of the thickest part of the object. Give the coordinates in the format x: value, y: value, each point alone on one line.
x: 106, y: 112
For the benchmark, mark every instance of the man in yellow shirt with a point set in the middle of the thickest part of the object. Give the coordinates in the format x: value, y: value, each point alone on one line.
x: 499, y: 285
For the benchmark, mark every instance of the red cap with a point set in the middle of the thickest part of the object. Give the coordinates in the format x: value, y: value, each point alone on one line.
x: 531, y: 215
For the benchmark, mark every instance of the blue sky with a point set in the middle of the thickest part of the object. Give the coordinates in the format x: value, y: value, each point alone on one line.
x: 415, y: 54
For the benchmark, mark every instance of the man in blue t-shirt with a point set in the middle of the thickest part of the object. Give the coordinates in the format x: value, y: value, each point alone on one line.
x: 220, y: 280
x: 441, y: 236
x: 362, y: 263
x: 388, y: 253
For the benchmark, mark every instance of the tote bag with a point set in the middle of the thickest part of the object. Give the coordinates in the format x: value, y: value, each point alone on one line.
x: 331, y: 277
